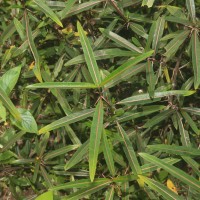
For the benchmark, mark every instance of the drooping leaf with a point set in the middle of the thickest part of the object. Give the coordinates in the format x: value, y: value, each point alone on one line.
x: 74, y: 117
x: 89, y: 56
x: 95, y: 138
x: 179, y: 174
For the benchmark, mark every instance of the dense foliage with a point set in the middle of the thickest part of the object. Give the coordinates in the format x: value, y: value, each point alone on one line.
x: 99, y: 99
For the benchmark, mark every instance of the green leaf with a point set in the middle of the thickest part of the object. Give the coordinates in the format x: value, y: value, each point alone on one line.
x: 20, y: 28
x: 158, y: 118
x: 161, y: 189
x: 121, y: 41
x: 9, y: 105
x: 160, y: 24
x: 139, y: 30
x: 27, y: 122
x: 195, y: 111
x: 46, y: 176
x: 191, y: 8
x: 110, y: 193
x: 148, y: 3
x: 89, y: 56
x: 196, y: 58
x: 174, y: 149
x: 60, y: 151
x: 107, y: 151
x: 126, y: 75
x: 80, y: 184
x: 129, y: 151
x: 151, y: 78
x: 80, y: 154
x: 62, y: 85
x: 173, y: 46
x: 135, y: 114
x: 116, y: 74
x: 9, y: 79
x: 144, y: 98
x: 2, y: 112
x: 7, y: 33
x: 95, y: 138
x: 12, y: 140
x: 87, y: 191
x: 100, y: 55
x: 32, y: 46
x: 74, y: 117
x: 150, y: 167
x: 185, y: 138
x: 45, y: 196
x: 7, y: 55
x: 179, y: 174
x: 44, y: 8
x: 68, y: 7
x: 178, y: 20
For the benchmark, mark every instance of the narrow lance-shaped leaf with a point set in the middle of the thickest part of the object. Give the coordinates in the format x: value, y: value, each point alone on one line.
x: 174, y: 149
x: 151, y: 78
x: 80, y: 154
x: 29, y: 36
x: 161, y: 189
x: 121, y: 41
x: 191, y: 9
x: 60, y: 151
x: 107, y: 151
x: 74, y: 117
x: 185, y: 138
x: 195, y: 111
x: 9, y: 105
x: 86, y: 191
x: 139, y: 99
x: 126, y: 66
x: 67, y: 8
x: 95, y: 138
x: 129, y: 151
x: 44, y: 8
x: 110, y: 193
x: 196, y: 58
x: 173, y: 46
x: 160, y: 23
x: 179, y: 174
x: 89, y: 56
x: 62, y: 85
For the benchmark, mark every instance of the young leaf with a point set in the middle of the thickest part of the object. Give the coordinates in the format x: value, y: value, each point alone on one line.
x: 44, y: 8
x: 107, y: 151
x: 89, y: 56
x: 62, y: 85
x: 179, y: 174
x: 126, y: 66
x: 196, y: 58
x: 161, y: 189
x: 95, y: 138
x: 129, y: 151
x: 74, y: 117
